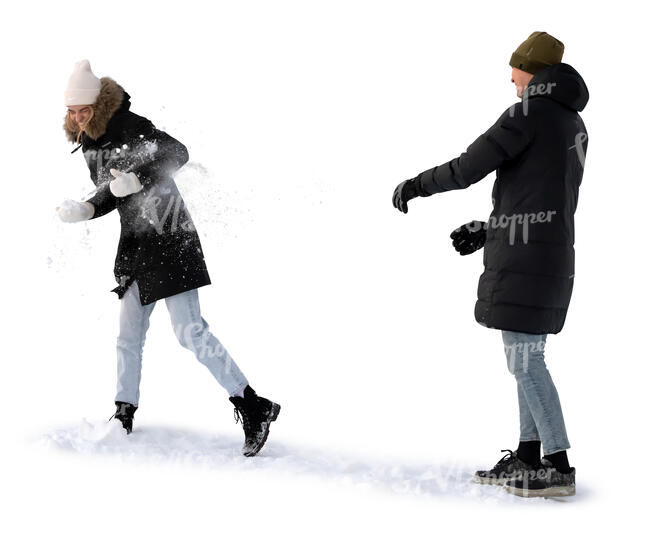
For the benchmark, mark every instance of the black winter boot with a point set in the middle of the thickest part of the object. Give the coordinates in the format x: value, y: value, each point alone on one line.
x: 507, y: 468
x: 545, y: 482
x: 124, y: 413
x: 256, y: 414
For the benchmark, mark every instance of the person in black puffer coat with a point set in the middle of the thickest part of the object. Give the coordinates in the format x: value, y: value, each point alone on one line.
x: 537, y: 147
x: 159, y: 255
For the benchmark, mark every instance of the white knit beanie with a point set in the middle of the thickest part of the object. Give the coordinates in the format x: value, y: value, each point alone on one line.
x: 83, y: 86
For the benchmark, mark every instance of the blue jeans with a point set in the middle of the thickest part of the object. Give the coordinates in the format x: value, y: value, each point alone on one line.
x: 191, y: 331
x: 540, y: 413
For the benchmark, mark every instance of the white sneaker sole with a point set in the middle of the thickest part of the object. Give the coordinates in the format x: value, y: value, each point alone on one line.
x: 555, y: 491
x: 487, y: 481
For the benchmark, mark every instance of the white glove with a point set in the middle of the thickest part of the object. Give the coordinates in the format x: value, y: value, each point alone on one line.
x: 124, y: 184
x: 71, y: 211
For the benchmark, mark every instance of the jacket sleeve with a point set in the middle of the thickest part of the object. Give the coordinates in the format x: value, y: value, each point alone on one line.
x: 155, y: 153
x: 103, y: 200
x: 505, y: 140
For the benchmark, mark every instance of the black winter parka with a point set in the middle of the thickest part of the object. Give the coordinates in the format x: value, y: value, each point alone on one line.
x: 159, y: 245
x: 538, y: 148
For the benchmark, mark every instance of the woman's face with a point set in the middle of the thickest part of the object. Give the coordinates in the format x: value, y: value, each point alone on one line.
x: 80, y: 114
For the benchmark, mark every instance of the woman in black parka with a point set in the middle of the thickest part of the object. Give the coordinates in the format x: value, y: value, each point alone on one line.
x: 159, y: 255
x: 538, y: 148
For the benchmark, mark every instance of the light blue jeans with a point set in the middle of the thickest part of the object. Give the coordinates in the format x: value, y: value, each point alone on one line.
x: 540, y: 413
x: 191, y: 330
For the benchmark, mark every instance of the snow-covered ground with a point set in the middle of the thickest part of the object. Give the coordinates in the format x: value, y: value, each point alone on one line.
x: 300, y: 119
x: 165, y: 445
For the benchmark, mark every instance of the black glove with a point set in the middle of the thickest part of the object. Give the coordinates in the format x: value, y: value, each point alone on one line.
x: 405, y: 191
x: 124, y: 282
x: 469, y: 237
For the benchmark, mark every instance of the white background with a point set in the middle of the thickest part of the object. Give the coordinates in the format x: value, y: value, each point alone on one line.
x: 300, y: 119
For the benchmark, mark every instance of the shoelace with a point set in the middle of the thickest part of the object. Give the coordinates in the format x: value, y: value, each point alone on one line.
x: 122, y: 410
x: 243, y: 418
x: 505, y: 460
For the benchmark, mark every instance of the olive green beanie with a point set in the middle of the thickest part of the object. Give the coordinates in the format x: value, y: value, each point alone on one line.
x: 538, y: 51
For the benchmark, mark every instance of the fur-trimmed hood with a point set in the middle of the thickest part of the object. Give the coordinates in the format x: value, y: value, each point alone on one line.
x: 111, y: 98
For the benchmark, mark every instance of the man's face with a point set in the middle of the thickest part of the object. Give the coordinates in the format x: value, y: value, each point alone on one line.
x: 520, y: 79
x: 80, y: 114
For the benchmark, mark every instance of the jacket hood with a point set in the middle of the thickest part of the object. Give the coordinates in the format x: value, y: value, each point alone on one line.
x: 111, y: 99
x: 559, y: 82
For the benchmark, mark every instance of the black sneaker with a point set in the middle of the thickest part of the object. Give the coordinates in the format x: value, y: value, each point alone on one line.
x: 507, y: 468
x: 545, y: 482
x: 124, y: 413
x: 256, y: 414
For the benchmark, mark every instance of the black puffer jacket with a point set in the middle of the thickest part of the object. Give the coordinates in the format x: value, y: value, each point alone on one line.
x: 537, y: 148
x: 159, y: 245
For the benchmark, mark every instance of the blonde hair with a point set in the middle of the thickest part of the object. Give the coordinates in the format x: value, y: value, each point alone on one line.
x: 73, y: 125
